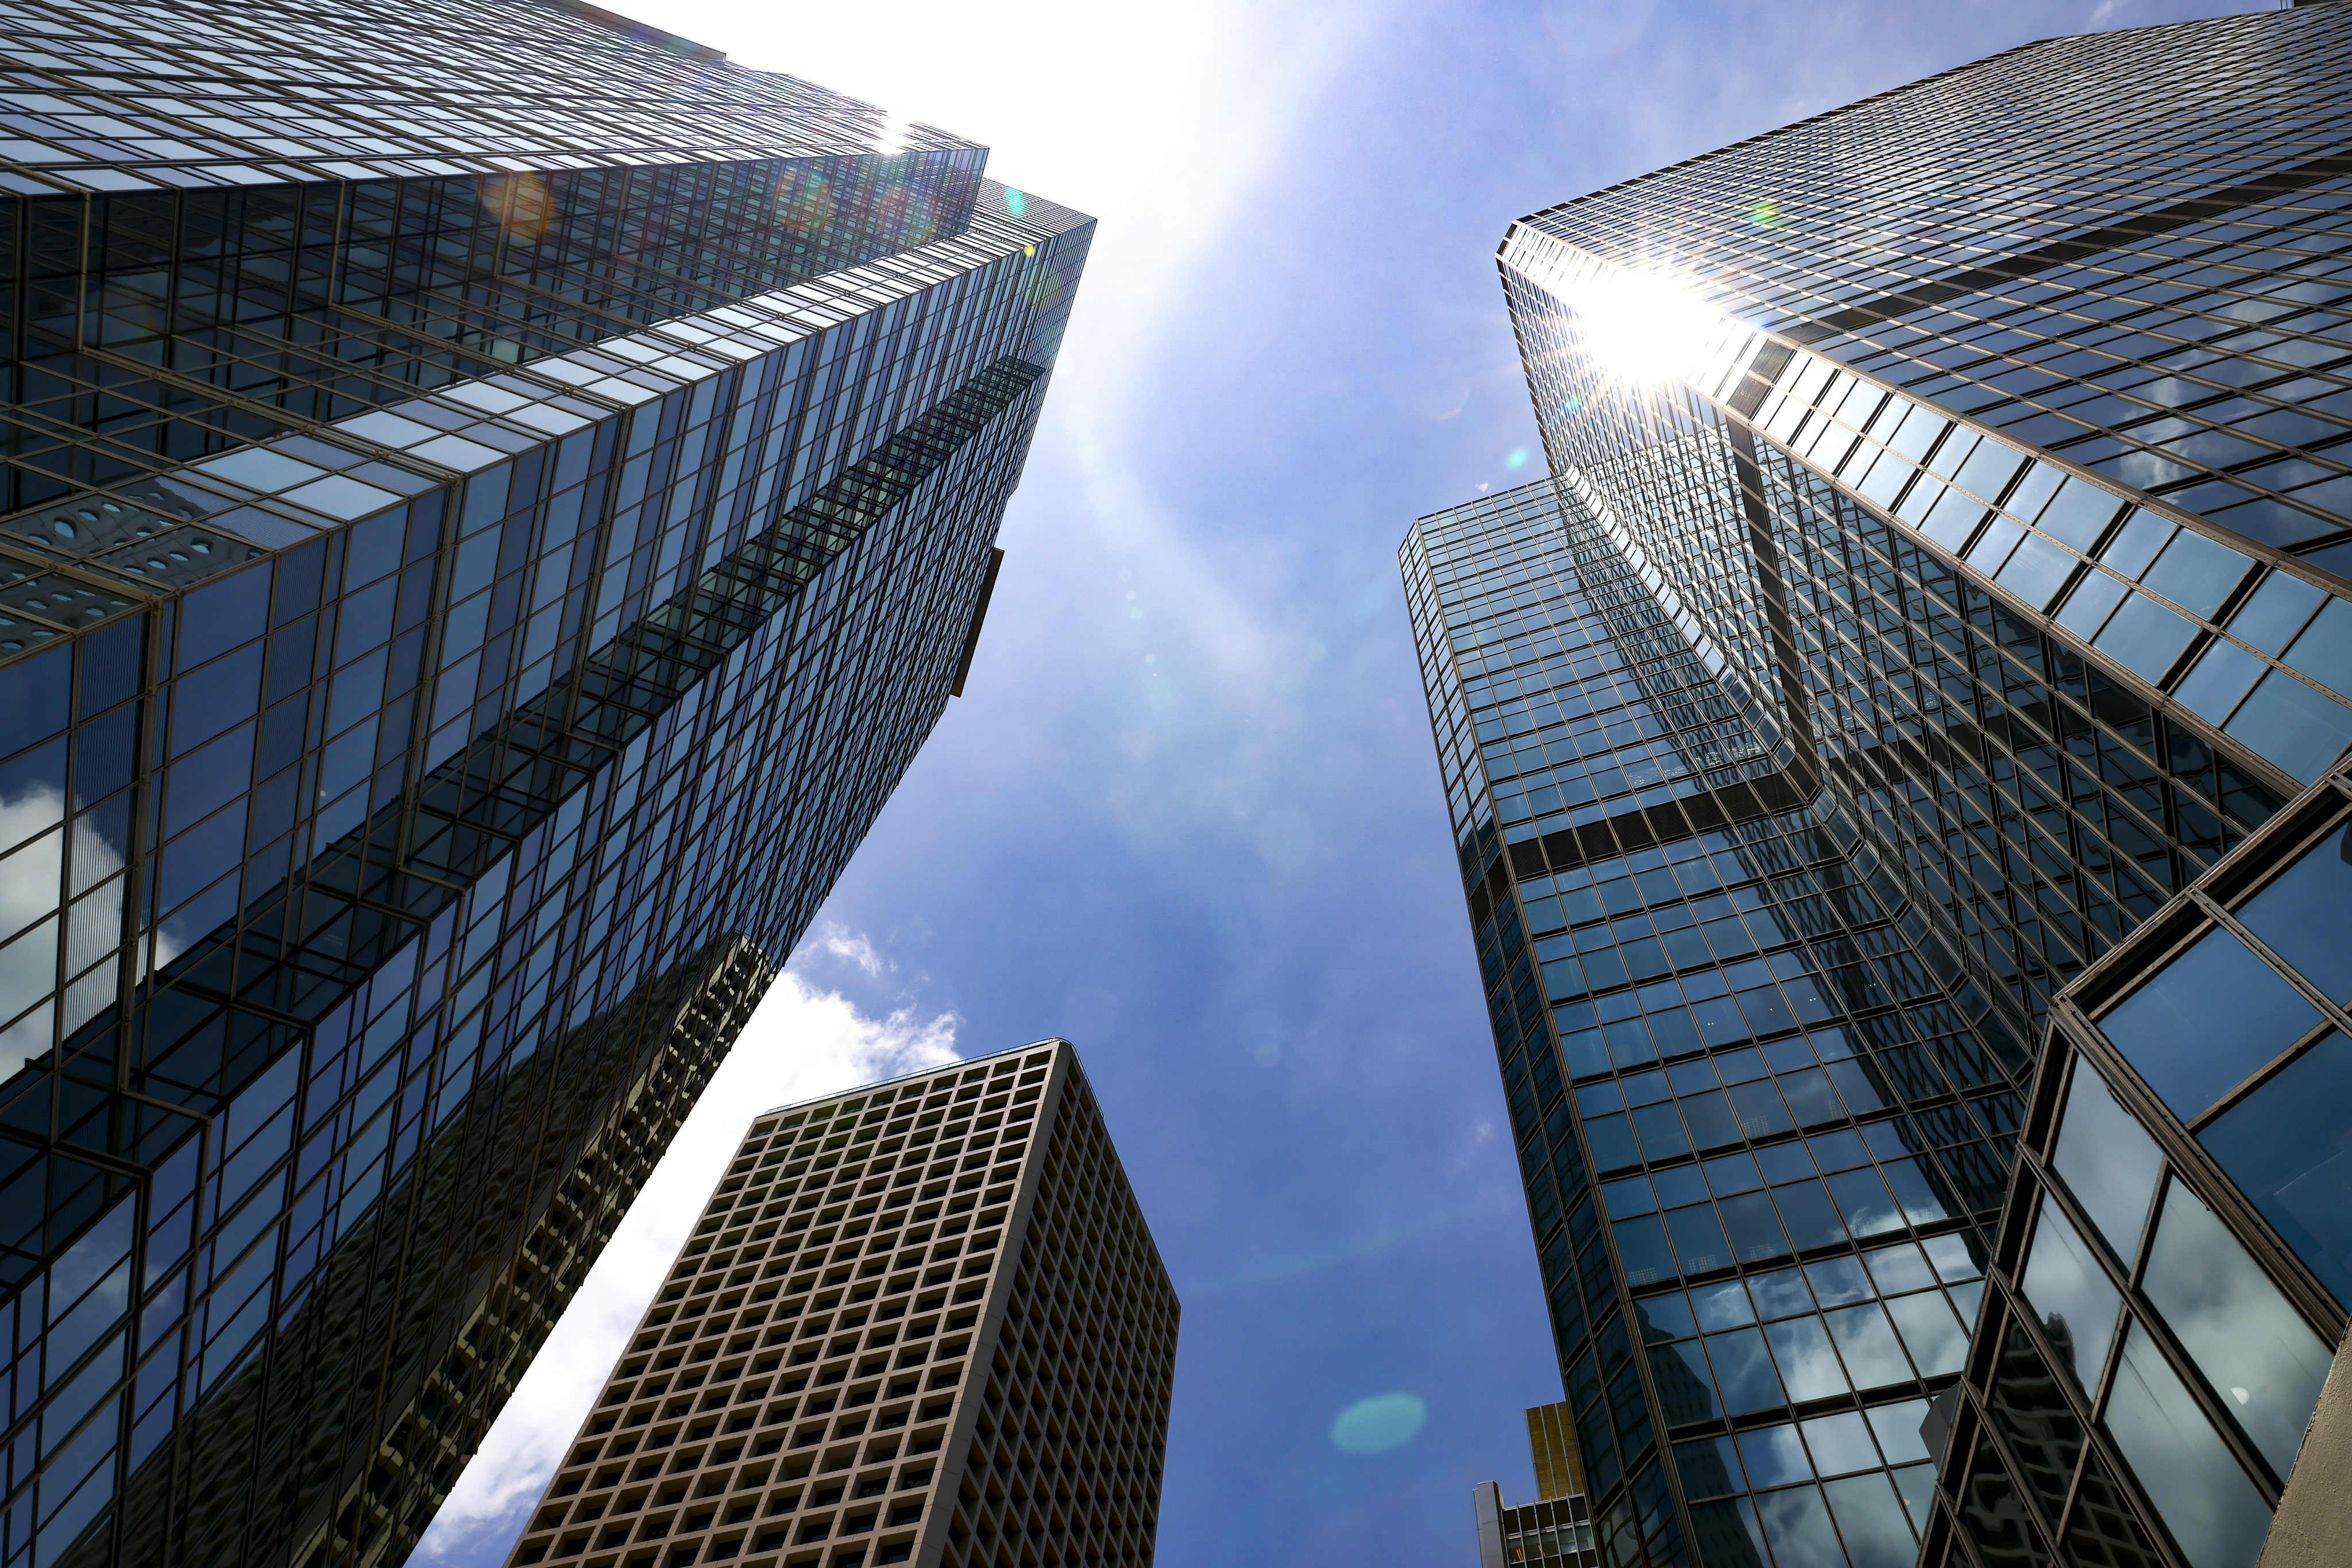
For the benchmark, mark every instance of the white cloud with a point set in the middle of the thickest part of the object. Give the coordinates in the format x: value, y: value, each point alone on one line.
x: 839, y: 941
x: 801, y: 1043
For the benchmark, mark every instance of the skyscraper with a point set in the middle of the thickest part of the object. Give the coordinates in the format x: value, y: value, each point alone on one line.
x: 923, y: 1321
x: 496, y: 497
x: 1943, y: 566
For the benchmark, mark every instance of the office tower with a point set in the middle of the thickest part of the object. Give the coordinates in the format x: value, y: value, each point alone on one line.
x: 1942, y: 567
x: 1555, y: 1531
x: 2177, y: 1243
x: 495, y: 496
x: 923, y: 1321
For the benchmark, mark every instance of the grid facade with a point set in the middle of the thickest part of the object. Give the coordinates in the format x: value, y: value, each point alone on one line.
x: 1987, y: 502
x: 1763, y: 1111
x: 460, y: 614
x: 921, y: 1322
x: 2177, y: 1254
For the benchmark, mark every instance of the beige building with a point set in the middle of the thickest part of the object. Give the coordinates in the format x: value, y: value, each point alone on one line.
x: 1555, y: 1530
x: 923, y: 1321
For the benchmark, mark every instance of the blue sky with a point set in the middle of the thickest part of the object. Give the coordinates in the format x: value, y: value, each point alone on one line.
x: 1187, y: 813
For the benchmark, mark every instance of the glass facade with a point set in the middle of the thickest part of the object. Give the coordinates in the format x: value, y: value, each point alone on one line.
x: 477, y: 557
x: 2176, y: 1255
x: 1938, y: 574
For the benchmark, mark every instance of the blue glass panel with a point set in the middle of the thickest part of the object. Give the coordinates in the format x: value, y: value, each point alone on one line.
x: 2145, y: 636
x: 1744, y: 1372
x: 1870, y: 1518
x: 1641, y: 1249
x: 1685, y: 1388
x: 1809, y: 1366
x: 2305, y: 914
x: 2288, y: 1146
x: 2196, y: 573
x: 1774, y: 1456
x: 2071, y: 1296
x: 2292, y: 725
x: 1698, y: 1238
x: 2208, y: 1019
x: 2109, y: 1161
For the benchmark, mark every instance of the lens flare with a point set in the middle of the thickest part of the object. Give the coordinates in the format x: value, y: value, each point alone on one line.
x: 521, y: 202
x: 1643, y: 329
x: 1014, y: 202
x: 1375, y: 1426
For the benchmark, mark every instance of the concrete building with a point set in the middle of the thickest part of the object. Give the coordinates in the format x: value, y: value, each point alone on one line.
x: 923, y: 1321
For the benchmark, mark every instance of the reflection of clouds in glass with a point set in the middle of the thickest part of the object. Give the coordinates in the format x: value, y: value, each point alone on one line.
x: 2072, y: 1296
x: 2254, y: 1349
x: 1808, y: 1366
x: 29, y: 895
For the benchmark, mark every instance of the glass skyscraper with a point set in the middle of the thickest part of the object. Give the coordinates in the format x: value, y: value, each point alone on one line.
x: 1944, y: 565
x: 495, y: 495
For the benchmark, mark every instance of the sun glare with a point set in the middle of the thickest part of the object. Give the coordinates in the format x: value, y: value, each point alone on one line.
x: 1645, y: 329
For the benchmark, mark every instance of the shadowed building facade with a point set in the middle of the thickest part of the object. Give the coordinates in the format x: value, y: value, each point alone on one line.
x: 495, y: 498
x: 1943, y: 566
x: 921, y: 1322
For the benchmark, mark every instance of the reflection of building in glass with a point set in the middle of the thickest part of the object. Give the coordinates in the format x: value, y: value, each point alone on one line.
x: 923, y: 1321
x: 1555, y: 1531
x: 479, y: 544
x: 2178, y: 1248
x: 1928, y: 589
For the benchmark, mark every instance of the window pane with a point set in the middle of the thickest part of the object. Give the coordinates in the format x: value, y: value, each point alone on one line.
x: 1743, y: 1372
x: 2262, y: 1359
x: 1808, y: 1365
x: 2208, y: 1018
x: 2203, y: 1497
x: 1938, y: 1342
x: 1799, y: 1526
x: 1774, y: 1457
x: 2288, y: 1146
x: 1870, y: 1516
x: 1698, y: 1238
x: 1871, y: 1354
x: 2108, y: 1159
x: 2305, y: 915
x: 1685, y: 1392
x: 1841, y: 1444
x: 2071, y: 1296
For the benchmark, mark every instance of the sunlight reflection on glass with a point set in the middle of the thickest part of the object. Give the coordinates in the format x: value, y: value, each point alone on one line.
x: 1643, y: 327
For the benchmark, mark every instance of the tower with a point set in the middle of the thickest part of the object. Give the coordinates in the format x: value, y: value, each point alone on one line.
x: 494, y: 497
x: 1942, y: 568
x: 923, y: 1321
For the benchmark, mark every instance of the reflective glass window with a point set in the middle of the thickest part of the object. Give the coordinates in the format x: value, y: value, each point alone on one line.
x: 1799, y: 1526
x: 2263, y: 1360
x: 2305, y: 915
x: 2204, y: 1499
x: 2208, y: 1018
x: 2071, y: 1296
x: 2288, y: 1146
x: 2109, y: 1161
x: 1870, y: 1518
